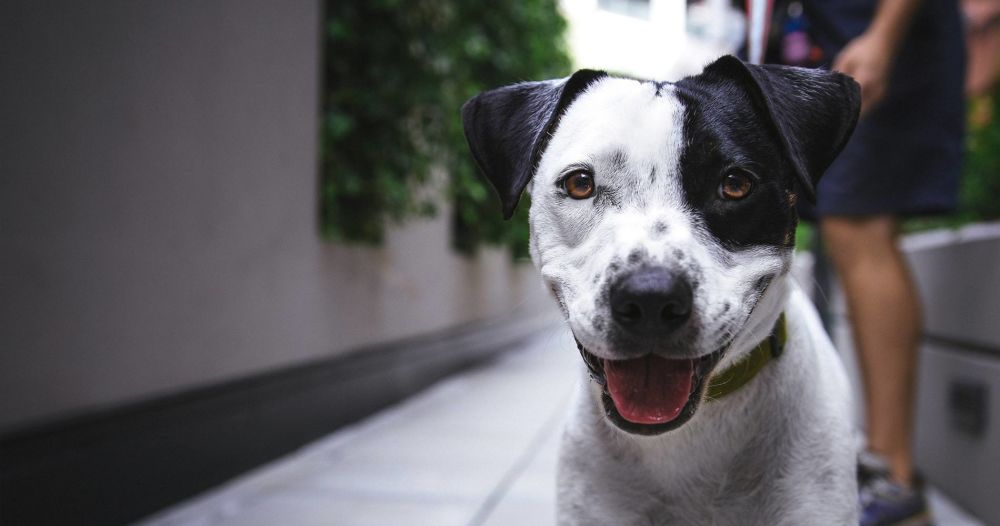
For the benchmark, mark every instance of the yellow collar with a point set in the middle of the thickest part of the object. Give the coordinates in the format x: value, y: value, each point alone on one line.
x: 737, y: 375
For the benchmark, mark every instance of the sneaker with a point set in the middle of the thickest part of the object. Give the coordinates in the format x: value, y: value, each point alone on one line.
x: 885, y: 502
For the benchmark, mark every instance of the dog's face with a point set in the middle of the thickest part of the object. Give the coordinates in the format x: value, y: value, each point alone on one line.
x: 661, y: 212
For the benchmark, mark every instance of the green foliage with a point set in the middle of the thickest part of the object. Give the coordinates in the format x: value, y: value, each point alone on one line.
x: 981, y: 178
x: 805, y: 236
x: 396, y: 76
x: 981, y: 172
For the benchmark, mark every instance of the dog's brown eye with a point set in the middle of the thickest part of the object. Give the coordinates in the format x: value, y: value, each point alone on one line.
x: 579, y: 185
x: 735, y: 185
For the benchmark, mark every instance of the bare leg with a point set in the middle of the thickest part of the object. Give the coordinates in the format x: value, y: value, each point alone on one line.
x: 884, y: 307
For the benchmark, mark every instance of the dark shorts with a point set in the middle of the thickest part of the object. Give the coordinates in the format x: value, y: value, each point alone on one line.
x: 905, y: 156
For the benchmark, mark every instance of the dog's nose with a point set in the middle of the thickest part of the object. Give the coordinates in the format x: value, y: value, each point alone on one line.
x: 651, y: 301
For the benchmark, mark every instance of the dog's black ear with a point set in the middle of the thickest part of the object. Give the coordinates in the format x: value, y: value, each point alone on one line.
x: 508, y: 129
x: 813, y: 111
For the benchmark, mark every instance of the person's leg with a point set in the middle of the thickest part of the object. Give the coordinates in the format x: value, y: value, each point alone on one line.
x: 884, y: 307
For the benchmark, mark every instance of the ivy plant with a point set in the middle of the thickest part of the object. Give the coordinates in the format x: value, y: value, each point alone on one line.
x: 981, y: 177
x: 396, y: 75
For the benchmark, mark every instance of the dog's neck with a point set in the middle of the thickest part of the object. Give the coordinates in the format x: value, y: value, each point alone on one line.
x: 760, y: 323
x: 729, y: 380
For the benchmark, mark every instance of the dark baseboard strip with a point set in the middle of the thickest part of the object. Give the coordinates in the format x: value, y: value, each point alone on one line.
x: 121, y: 464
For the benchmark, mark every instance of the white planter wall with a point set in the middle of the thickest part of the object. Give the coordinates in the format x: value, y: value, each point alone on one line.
x: 957, y: 437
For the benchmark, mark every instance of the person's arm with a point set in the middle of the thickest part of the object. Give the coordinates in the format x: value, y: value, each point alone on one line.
x: 868, y: 58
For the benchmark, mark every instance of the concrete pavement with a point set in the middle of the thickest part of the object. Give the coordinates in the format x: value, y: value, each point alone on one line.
x: 476, y: 449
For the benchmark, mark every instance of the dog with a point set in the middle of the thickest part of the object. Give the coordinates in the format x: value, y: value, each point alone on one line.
x: 663, y: 221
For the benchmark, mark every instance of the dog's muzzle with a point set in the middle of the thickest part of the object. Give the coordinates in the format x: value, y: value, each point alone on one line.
x: 646, y: 392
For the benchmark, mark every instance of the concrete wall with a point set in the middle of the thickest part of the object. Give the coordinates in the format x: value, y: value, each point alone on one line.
x: 158, y: 210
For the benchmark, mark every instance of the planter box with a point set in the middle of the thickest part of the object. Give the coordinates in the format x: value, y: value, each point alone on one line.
x: 958, y: 404
x: 957, y: 440
x: 957, y: 433
x: 959, y: 277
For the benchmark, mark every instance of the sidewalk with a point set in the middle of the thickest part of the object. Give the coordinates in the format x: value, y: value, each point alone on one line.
x: 476, y: 449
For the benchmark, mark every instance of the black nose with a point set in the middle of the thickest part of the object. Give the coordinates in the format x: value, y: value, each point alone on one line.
x: 651, y: 301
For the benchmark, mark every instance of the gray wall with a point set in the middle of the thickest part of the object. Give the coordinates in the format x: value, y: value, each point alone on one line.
x: 158, y: 210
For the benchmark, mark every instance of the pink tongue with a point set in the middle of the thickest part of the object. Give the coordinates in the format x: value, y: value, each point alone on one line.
x: 649, y: 390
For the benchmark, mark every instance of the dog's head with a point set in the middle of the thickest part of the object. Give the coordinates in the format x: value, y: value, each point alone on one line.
x: 661, y: 212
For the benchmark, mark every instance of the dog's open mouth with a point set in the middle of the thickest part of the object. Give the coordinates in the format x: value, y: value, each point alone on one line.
x: 651, y: 395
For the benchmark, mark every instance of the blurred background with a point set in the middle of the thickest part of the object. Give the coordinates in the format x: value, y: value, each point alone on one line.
x: 229, y: 229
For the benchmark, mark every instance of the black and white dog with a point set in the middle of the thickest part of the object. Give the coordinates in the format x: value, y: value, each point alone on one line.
x: 663, y: 219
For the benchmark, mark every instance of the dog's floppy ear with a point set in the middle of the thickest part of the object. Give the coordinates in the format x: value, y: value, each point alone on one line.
x: 813, y: 111
x: 508, y: 129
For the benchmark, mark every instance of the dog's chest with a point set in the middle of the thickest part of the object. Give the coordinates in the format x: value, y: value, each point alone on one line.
x: 745, y: 493
x: 712, y: 481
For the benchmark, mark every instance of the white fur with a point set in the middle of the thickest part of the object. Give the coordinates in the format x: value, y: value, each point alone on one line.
x: 777, y: 451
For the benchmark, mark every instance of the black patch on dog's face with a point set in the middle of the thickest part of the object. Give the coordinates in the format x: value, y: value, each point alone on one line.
x: 782, y: 125
x: 723, y: 132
